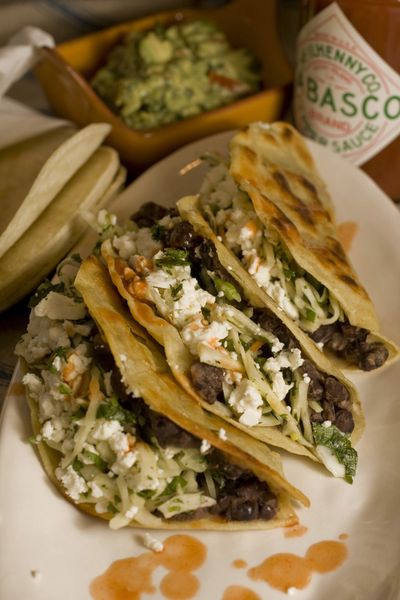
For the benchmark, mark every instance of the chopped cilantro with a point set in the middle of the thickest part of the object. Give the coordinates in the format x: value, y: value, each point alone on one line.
x: 50, y: 367
x: 111, y: 508
x: 340, y: 445
x: 289, y: 273
x: 218, y: 477
x: 206, y: 312
x: 147, y: 494
x: 175, y: 290
x: 172, y: 258
x: 310, y: 314
x: 97, y: 460
x: 113, y: 410
x: 158, y: 232
x: 228, y: 289
x: 43, y: 290
x: 228, y: 344
x: 78, y: 414
x: 61, y: 351
x: 77, y: 465
x: 64, y: 389
x: 172, y: 487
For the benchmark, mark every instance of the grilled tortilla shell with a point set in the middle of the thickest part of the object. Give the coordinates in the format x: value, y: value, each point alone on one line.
x: 274, y: 166
x: 179, y: 357
x: 145, y: 372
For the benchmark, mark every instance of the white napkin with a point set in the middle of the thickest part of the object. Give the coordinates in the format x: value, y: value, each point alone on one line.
x: 21, y: 54
x: 18, y: 121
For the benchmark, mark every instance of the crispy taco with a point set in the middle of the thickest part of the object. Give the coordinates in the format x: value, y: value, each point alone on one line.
x: 273, y: 211
x: 236, y: 356
x: 117, y: 435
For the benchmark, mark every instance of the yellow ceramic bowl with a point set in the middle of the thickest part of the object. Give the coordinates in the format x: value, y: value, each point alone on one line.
x: 64, y: 73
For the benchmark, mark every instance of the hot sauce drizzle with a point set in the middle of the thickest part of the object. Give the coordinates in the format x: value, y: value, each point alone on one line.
x: 129, y: 578
x: 237, y: 592
x: 285, y: 570
x: 295, y: 531
x: 347, y: 232
x: 239, y: 563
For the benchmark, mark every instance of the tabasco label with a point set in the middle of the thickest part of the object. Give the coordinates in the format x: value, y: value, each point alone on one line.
x: 346, y: 97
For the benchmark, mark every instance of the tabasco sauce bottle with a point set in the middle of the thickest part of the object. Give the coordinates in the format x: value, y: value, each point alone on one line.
x: 347, y: 86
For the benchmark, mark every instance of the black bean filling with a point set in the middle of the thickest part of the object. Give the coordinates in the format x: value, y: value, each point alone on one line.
x: 208, y: 380
x: 351, y: 343
x: 240, y: 495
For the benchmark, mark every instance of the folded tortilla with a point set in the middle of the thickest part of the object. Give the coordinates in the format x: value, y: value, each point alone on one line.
x: 59, y: 154
x: 90, y: 474
x: 132, y: 281
x: 59, y: 227
x: 273, y: 165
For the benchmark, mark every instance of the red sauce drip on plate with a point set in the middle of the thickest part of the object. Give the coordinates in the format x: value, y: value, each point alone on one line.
x: 237, y: 592
x: 239, y: 563
x: 285, y: 570
x: 295, y: 531
x: 129, y: 578
x: 347, y: 232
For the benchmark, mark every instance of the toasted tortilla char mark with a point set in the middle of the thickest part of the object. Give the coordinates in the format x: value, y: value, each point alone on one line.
x: 269, y: 138
x: 309, y: 186
x: 295, y: 201
x: 287, y: 133
x: 249, y: 154
x: 336, y: 248
x: 351, y: 281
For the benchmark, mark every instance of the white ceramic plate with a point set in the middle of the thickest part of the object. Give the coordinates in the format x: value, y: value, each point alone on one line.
x: 43, y: 533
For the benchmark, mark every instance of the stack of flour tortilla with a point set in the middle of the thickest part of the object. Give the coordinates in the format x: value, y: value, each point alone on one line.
x: 47, y: 184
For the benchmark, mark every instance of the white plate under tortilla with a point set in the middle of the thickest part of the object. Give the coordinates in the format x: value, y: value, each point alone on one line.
x: 49, y: 550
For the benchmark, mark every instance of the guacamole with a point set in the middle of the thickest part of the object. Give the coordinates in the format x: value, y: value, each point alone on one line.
x: 170, y: 73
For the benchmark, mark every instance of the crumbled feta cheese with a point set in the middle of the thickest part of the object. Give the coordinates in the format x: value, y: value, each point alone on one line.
x: 292, y: 360
x: 196, y: 333
x: 42, y: 337
x: 222, y: 434
x: 106, y: 219
x: 125, y: 244
x: 53, y: 430
x: 306, y: 378
x: 170, y: 452
x: 95, y: 489
x: 320, y: 345
x: 74, y: 484
x: 295, y: 358
x: 247, y: 401
x: 131, y: 512
x: 101, y: 506
x: 57, y: 306
x: 33, y: 383
x: 205, y: 446
x: 103, y: 430
x: 145, y: 243
x: 232, y: 377
x: 153, y: 543
x: 279, y: 386
x: 327, y: 424
x: 277, y: 346
x: 277, y: 293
